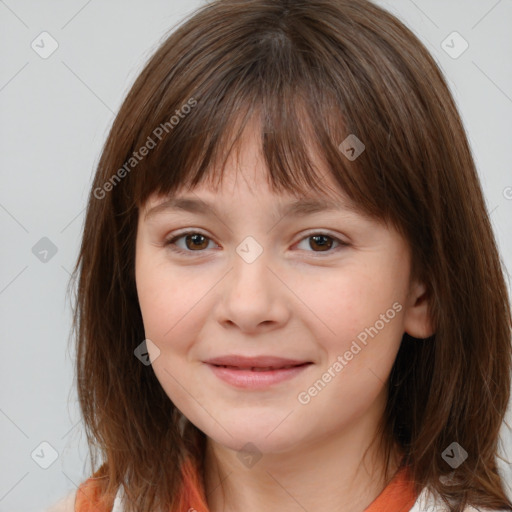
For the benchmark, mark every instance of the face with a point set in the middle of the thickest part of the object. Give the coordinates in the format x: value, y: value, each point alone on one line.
x: 328, y: 288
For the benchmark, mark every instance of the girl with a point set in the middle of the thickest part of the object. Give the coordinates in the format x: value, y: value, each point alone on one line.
x: 290, y: 296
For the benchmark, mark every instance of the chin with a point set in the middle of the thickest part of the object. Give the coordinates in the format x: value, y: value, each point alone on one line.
x: 257, y: 439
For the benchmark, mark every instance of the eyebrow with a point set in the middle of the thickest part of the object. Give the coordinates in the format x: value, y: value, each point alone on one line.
x: 298, y: 208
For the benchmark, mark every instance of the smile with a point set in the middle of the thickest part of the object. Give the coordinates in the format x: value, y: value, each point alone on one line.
x: 256, y: 377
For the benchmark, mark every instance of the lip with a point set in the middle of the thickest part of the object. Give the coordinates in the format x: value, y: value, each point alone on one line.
x: 239, y: 361
x: 238, y: 370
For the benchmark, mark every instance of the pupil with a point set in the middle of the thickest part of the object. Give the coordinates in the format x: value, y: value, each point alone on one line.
x: 320, y: 237
x: 196, y: 239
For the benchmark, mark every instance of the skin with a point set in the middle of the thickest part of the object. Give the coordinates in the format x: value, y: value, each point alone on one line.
x: 295, y: 300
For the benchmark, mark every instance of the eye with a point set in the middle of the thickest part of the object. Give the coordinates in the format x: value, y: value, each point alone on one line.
x: 324, y: 242
x: 196, y: 241
x: 193, y: 240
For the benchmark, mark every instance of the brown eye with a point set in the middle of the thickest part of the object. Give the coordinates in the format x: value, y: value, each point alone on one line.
x: 197, y: 242
x: 323, y: 242
x: 194, y: 242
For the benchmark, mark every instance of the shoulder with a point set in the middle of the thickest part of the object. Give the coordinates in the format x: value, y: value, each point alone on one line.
x: 66, y: 504
x: 90, y: 497
x: 428, y: 502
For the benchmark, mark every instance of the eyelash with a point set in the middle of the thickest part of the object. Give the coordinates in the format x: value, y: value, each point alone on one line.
x: 171, y: 243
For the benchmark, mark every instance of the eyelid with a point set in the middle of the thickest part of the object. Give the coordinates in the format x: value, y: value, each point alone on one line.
x: 170, y: 241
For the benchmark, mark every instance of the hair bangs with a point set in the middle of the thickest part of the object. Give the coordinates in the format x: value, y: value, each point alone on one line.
x: 302, y: 123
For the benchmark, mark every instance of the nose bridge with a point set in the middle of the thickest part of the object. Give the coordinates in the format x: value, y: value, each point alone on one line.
x: 252, y: 294
x: 250, y: 273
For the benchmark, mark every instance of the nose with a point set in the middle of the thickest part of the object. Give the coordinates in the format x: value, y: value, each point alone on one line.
x: 253, y: 297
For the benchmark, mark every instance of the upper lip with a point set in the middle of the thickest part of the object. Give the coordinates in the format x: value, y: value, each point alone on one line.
x: 254, y: 362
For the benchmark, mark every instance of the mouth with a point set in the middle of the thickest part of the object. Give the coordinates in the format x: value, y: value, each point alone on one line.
x: 256, y: 377
x: 260, y: 368
x: 262, y: 362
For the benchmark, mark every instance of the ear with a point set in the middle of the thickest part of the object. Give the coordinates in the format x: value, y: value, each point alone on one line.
x: 417, y: 319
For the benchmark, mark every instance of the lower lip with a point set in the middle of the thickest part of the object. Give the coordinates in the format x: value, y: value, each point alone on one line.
x: 256, y: 379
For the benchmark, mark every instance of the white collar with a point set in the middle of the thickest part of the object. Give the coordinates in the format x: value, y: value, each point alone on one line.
x: 427, y: 502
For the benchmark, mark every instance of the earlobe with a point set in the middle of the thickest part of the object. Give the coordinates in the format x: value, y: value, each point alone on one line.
x: 417, y: 317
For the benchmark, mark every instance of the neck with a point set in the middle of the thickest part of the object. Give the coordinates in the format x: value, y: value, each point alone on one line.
x: 326, y: 474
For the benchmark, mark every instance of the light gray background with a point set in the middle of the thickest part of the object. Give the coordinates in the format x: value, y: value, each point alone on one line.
x: 55, y: 115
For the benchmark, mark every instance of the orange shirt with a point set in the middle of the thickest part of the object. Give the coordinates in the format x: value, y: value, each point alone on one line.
x: 398, y: 496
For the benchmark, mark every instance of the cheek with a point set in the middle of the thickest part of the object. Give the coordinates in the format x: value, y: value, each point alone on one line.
x: 170, y: 302
x: 375, y: 337
x: 341, y: 305
x: 358, y: 328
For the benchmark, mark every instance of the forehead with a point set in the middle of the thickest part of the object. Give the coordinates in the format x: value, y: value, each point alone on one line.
x: 239, y: 191
x: 245, y: 172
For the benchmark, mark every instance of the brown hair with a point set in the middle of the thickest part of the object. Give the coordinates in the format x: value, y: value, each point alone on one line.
x: 314, y: 71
